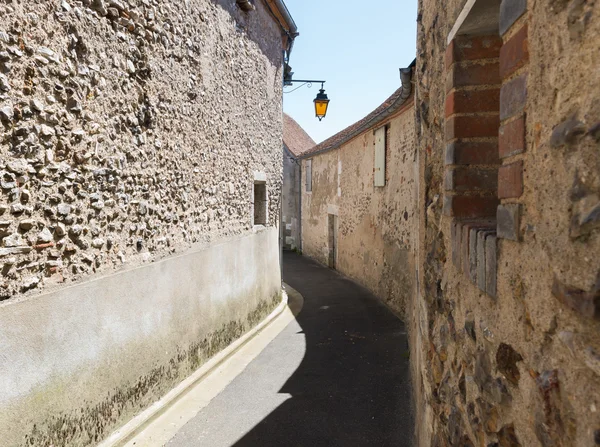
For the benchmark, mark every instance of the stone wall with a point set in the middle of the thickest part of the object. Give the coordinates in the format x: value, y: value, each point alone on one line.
x: 518, y: 364
x: 290, y: 212
x: 81, y: 361
x: 375, y: 232
x: 130, y: 133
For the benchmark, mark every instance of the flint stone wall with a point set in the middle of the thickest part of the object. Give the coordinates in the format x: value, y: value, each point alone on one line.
x: 521, y: 368
x: 130, y: 131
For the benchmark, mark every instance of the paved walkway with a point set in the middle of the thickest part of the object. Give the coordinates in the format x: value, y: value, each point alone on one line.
x: 338, y: 376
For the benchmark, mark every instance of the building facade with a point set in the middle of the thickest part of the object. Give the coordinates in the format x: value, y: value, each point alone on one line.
x: 505, y: 327
x: 140, y: 150
x: 295, y: 142
x: 475, y: 213
x: 358, y: 199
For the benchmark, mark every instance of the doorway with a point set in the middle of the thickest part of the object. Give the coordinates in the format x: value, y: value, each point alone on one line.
x: 332, y: 225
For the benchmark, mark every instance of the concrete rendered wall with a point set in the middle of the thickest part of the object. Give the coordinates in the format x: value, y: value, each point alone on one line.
x: 318, y: 203
x: 521, y: 369
x: 375, y: 224
x: 131, y: 134
x: 82, y: 360
x: 291, y: 201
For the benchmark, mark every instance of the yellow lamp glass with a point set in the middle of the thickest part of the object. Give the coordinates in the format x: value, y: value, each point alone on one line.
x: 321, y: 108
x: 321, y: 104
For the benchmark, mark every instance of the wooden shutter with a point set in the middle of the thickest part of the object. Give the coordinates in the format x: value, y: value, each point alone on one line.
x: 308, y: 175
x: 379, y: 166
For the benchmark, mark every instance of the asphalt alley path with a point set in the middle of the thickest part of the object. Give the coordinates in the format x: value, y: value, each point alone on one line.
x: 337, y: 376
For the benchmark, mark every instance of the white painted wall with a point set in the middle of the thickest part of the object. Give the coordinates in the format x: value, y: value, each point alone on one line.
x: 66, y: 351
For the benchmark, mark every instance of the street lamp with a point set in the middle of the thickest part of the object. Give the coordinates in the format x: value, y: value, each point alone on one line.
x: 321, y: 104
x: 321, y: 101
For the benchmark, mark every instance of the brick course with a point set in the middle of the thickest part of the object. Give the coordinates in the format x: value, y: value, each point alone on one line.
x: 481, y: 263
x: 456, y: 237
x: 485, y: 73
x: 472, y: 126
x: 514, y: 53
x: 469, y: 48
x: 473, y: 101
x: 510, y: 180
x: 472, y: 153
x: 470, y: 251
x: 491, y: 265
x: 513, y: 97
x: 470, y: 206
x: 511, y: 138
x: 508, y: 219
x: 471, y: 179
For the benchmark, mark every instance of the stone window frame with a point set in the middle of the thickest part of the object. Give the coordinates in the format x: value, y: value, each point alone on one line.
x: 486, y: 91
x: 260, y: 181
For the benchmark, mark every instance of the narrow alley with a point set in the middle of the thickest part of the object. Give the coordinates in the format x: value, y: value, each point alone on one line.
x: 337, y: 376
x: 299, y: 223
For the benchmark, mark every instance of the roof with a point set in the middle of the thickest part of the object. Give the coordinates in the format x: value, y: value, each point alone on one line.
x: 380, y: 114
x: 281, y: 13
x: 294, y: 136
x: 283, y: 16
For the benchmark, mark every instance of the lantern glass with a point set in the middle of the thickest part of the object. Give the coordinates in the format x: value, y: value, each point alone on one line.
x: 321, y: 108
x: 321, y: 104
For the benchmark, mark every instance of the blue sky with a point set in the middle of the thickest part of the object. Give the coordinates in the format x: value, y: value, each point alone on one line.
x: 357, y: 47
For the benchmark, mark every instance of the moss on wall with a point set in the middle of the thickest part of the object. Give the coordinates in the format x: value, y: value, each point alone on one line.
x: 89, y: 424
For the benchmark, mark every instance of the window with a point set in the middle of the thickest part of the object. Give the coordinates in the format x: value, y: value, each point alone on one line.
x: 260, y: 203
x: 246, y: 5
x: 308, y: 168
x: 379, y: 164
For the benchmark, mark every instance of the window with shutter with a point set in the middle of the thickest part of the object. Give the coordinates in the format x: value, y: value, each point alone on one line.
x: 379, y: 165
x: 308, y: 169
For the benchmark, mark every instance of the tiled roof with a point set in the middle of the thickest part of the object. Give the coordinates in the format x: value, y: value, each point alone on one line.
x: 381, y: 113
x: 294, y: 136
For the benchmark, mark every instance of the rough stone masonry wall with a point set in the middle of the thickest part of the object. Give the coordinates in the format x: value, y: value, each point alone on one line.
x: 290, y: 211
x: 130, y: 130
x: 521, y: 368
x: 375, y: 233
x: 318, y: 203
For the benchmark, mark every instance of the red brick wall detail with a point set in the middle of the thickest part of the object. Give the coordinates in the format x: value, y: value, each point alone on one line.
x: 486, y: 73
x: 472, y: 153
x: 513, y: 97
x: 470, y: 206
x: 511, y: 139
x: 510, y: 180
x: 472, y: 126
x: 514, y: 53
x: 471, y: 179
x: 473, y: 101
x: 471, y: 48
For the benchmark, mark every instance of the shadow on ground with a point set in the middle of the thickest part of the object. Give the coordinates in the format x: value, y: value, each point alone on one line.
x: 353, y: 385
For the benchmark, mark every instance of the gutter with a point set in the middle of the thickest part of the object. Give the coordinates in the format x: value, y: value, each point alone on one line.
x: 407, y: 90
x: 284, y: 11
x: 289, y: 27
